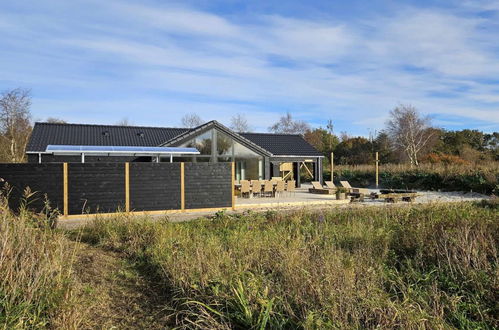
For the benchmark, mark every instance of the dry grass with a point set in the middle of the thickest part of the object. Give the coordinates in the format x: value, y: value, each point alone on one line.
x: 489, y: 167
x: 432, y: 266
x: 416, y: 267
x: 483, y: 178
x: 35, y: 274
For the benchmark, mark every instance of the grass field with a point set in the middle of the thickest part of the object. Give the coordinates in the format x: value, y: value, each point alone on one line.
x: 432, y: 266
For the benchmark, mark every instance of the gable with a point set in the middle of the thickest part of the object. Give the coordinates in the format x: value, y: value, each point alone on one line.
x: 202, y: 129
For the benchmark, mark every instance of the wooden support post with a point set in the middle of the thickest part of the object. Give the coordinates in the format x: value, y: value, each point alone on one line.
x: 182, y: 187
x: 377, y: 169
x: 127, y: 187
x: 65, y: 189
x: 232, y: 188
x: 332, y: 166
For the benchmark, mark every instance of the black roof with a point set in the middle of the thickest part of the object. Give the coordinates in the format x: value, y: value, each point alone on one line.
x: 283, y: 144
x: 98, y: 135
x: 111, y: 135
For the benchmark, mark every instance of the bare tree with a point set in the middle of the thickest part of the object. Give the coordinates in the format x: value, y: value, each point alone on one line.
x: 287, y: 125
x: 409, y: 132
x: 239, y: 124
x: 53, y: 120
x: 191, y: 120
x: 124, y: 122
x: 15, y: 123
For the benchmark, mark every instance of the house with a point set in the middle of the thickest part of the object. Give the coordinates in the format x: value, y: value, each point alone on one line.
x: 256, y: 155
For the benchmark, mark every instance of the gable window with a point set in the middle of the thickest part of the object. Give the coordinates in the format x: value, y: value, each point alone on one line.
x: 249, y: 164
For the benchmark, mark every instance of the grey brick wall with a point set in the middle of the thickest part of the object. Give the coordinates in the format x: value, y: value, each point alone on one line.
x: 40, y: 178
x: 208, y: 185
x: 100, y: 187
x: 96, y: 187
x: 154, y: 186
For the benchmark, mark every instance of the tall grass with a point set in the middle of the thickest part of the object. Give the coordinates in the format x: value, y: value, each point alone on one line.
x: 483, y: 178
x: 35, y: 272
x: 412, y: 267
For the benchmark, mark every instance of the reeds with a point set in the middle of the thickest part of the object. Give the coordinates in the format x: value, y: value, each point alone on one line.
x: 35, y: 272
x: 482, y: 178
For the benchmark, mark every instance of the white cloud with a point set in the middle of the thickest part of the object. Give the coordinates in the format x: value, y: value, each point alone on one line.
x: 174, y: 60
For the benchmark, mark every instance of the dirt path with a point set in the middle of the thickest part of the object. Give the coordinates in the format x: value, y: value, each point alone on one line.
x: 117, y: 293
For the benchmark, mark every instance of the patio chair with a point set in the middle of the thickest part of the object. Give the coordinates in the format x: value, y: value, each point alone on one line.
x: 245, y: 188
x: 268, y: 188
x: 290, y: 187
x: 346, y: 184
x: 319, y: 189
x: 279, y: 189
x: 256, y: 186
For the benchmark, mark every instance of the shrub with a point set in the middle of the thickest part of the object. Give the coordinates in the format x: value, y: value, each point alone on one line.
x: 446, y: 177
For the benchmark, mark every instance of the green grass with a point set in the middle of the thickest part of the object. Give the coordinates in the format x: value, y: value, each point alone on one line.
x: 409, y: 267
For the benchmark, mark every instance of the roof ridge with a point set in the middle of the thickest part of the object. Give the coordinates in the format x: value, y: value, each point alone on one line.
x: 103, y: 125
x: 269, y: 133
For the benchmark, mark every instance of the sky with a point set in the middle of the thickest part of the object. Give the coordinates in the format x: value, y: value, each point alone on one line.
x: 152, y: 62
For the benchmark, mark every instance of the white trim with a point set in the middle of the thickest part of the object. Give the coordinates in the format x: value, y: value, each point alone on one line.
x: 283, y: 156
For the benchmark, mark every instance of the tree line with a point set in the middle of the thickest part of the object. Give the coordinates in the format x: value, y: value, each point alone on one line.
x: 408, y: 137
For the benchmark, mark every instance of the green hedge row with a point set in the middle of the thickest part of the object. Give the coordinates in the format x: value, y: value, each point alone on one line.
x: 423, y: 180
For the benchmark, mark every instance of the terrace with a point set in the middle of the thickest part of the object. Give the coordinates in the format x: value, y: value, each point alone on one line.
x: 300, y: 197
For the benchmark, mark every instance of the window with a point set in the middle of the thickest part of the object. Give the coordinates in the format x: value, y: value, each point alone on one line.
x: 249, y: 164
x: 201, y: 142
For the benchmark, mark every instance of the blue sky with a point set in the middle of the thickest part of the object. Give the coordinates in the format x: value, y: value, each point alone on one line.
x: 350, y: 61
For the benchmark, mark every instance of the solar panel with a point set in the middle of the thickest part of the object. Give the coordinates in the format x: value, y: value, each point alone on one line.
x: 119, y: 149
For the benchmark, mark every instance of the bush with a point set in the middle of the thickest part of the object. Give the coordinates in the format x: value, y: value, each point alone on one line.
x: 426, y: 177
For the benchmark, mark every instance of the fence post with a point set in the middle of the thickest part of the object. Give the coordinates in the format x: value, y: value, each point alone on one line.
x: 127, y: 187
x: 332, y: 166
x: 233, y: 173
x: 182, y: 187
x: 377, y: 170
x: 65, y: 189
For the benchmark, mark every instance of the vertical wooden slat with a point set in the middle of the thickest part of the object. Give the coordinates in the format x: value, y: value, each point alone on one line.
x: 377, y: 169
x: 332, y: 166
x: 127, y: 187
x: 182, y: 187
x: 65, y: 189
x: 232, y: 188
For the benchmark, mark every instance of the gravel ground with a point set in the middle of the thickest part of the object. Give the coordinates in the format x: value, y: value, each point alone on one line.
x: 424, y: 197
x: 440, y: 196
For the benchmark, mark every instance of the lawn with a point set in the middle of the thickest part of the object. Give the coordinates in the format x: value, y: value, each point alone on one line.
x: 422, y: 266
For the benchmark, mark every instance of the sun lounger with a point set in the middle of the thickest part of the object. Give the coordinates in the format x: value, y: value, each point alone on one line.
x: 351, y: 189
x: 319, y: 189
x: 330, y: 185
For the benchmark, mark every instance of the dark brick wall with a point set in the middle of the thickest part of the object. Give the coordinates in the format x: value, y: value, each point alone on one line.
x: 100, y: 187
x: 208, y: 185
x: 96, y: 187
x: 154, y: 186
x: 41, y: 178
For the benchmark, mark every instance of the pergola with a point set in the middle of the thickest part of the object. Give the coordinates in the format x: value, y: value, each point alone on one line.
x: 133, y: 151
